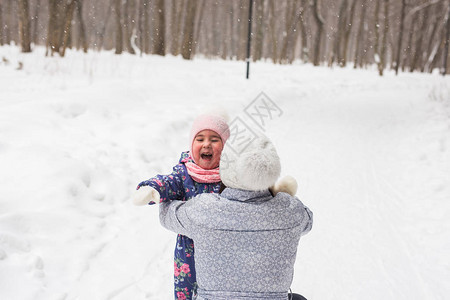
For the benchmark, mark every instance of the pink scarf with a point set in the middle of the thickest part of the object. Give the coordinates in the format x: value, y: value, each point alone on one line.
x: 201, y: 175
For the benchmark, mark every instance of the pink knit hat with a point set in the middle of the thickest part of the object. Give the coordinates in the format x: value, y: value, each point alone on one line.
x: 212, y: 121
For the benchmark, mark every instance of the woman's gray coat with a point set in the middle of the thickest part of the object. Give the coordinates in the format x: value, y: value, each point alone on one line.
x: 245, y: 241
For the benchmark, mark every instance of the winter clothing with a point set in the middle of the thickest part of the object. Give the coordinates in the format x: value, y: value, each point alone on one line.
x: 296, y: 297
x: 145, y: 195
x: 201, y: 175
x: 245, y: 241
x: 287, y: 184
x: 254, y: 166
x: 179, y: 185
x: 245, y: 238
x: 214, y: 121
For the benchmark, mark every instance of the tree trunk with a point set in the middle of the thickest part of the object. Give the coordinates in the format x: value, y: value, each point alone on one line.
x: 360, y: 43
x: 290, y: 11
x: 128, y: 24
x: 273, y: 36
x: 430, y: 43
x: 243, y: 29
x: 293, y: 15
x: 446, y: 44
x: 304, y: 54
x: 188, y: 36
x: 295, y: 32
x: 159, y: 41
x: 146, y: 25
x: 102, y: 32
x: 35, y: 23
x: 418, y: 51
x: 216, y: 35
x: 67, y: 26
x: 2, y: 42
x: 176, y: 16
x: 259, y: 30
x: 54, y: 27
x: 82, y: 39
x: 7, y: 26
x: 348, y: 30
x: 383, y: 49
x: 377, y: 29
x: 319, y: 22
x: 24, y: 26
x: 408, y: 53
x: 119, y: 35
x: 198, y: 25
x: 400, y: 36
x: 225, y: 39
x: 340, y: 34
x: 232, y: 52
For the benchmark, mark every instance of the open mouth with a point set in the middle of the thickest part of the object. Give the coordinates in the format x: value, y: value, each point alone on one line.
x: 206, y: 156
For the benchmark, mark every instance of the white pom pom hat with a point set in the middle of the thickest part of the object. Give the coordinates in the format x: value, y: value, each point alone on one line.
x: 253, y: 167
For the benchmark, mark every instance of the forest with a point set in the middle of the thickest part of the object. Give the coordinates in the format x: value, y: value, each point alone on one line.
x: 400, y: 35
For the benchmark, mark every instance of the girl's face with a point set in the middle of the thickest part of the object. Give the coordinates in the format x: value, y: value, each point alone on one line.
x: 206, y: 149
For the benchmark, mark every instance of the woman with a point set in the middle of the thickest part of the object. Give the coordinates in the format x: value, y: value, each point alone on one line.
x: 246, y: 239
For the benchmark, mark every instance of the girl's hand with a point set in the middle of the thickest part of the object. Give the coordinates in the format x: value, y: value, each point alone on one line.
x: 145, y: 195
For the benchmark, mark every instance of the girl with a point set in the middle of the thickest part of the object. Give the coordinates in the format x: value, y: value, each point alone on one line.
x: 197, y: 172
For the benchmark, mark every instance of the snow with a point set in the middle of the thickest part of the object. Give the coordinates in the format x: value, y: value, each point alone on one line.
x: 371, y: 155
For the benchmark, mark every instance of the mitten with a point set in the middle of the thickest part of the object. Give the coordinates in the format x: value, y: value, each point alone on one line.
x: 145, y: 195
x: 287, y: 184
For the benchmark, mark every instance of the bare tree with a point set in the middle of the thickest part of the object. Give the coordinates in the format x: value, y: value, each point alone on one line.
x: 188, y: 30
x: 176, y: 18
x: 35, y: 22
x: 383, y: 50
x: 146, y: 26
x: 320, y: 23
x: 243, y: 29
x: 304, y: 39
x: 2, y: 42
x: 290, y: 13
x: 446, y: 42
x: 197, y: 25
x: 82, y: 30
x: 340, y: 30
x: 53, y: 33
x: 159, y: 40
x: 67, y: 26
x: 360, y: 42
x: 102, y: 32
x: 273, y: 42
x: 400, y: 36
x: 119, y: 34
x: 259, y: 30
x: 24, y: 25
x: 283, y: 31
x: 348, y: 29
x: 129, y: 13
x: 8, y: 22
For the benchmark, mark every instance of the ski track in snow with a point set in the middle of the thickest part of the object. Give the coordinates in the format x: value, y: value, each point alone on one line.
x: 371, y: 155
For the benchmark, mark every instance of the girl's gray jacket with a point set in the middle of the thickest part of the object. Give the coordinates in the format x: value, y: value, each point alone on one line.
x: 245, y: 241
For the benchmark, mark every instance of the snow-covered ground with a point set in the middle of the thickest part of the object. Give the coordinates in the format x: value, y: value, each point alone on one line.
x: 371, y: 155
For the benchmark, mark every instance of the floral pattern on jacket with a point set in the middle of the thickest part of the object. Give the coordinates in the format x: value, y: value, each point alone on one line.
x: 180, y: 186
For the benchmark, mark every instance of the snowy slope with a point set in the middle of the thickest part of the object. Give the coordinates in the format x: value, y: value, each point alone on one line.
x: 371, y: 155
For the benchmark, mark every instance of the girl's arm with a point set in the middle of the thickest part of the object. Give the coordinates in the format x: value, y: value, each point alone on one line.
x: 169, y: 187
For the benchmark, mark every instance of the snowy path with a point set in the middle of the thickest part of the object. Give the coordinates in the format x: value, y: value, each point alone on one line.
x: 371, y: 155
x: 376, y: 173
